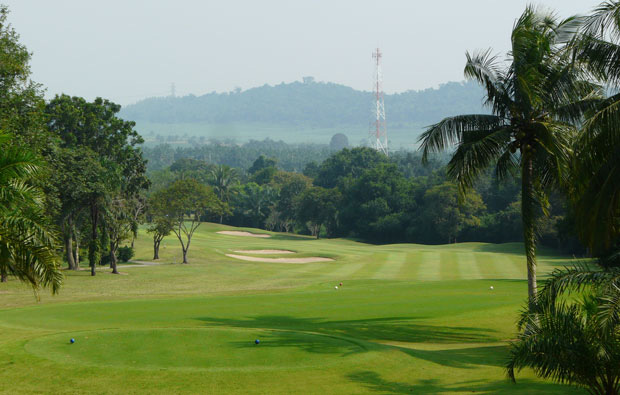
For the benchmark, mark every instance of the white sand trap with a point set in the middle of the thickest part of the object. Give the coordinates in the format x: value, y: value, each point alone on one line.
x: 280, y: 260
x: 240, y: 233
x: 265, y: 252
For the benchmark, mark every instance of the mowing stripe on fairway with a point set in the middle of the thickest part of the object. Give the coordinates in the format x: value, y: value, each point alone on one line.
x: 409, y: 270
x: 467, y: 265
x: 430, y: 266
x: 448, y: 267
x: 489, y: 266
x: 392, y: 266
x: 375, y: 262
x: 342, y: 270
x: 519, y: 265
x: 507, y: 266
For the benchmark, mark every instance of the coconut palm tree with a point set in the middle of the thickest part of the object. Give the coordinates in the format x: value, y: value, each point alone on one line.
x: 27, y: 241
x: 573, y: 340
x: 596, y: 190
x: 534, y: 101
x: 223, y: 178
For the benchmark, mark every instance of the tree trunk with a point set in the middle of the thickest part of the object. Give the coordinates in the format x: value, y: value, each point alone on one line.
x: 156, y: 243
x: 185, y: 255
x: 69, y: 251
x: 93, y: 248
x: 528, y: 216
x: 3, y: 275
x: 113, y: 260
x: 76, y: 256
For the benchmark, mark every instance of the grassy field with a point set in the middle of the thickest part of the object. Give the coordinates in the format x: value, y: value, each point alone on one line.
x: 407, y: 319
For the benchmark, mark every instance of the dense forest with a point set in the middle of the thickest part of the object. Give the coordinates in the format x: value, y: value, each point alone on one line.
x: 359, y: 193
x: 309, y: 103
x: 291, y: 157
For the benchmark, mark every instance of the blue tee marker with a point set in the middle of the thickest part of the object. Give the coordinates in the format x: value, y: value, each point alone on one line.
x: 72, y: 341
x: 256, y: 341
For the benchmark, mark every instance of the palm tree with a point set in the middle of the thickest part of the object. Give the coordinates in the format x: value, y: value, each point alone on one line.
x: 223, y: 178
x: 27, y: 241
x: 534, y: 102
x: 573, y: 340
x: 596, y: 192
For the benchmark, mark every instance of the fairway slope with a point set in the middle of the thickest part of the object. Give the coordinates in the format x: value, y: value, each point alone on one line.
x: 265, y: 252
x: 399, y: 318
x: 243, y: 234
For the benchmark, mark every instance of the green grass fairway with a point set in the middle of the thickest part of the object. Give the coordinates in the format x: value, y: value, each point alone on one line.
x: 408, y: 319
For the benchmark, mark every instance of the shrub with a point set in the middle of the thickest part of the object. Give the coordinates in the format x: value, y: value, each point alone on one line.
x: 124, y: 254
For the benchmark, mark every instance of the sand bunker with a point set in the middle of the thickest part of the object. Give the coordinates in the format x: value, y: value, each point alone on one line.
x: 265, y: 252
x: 239, y: 233
x: 280, y: 260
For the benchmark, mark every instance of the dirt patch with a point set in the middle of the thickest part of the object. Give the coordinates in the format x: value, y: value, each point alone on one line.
x: 264, y: 252
x: 280, y: 260
x: 240, y: 233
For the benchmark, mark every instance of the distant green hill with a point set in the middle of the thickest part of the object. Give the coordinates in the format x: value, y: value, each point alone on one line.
x: 298, y: 108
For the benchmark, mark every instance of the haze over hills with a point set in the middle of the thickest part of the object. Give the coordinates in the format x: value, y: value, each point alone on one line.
x: 301, y: 111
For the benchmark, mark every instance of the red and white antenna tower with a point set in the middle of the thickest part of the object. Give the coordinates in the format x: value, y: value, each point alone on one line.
x: 378, y: 134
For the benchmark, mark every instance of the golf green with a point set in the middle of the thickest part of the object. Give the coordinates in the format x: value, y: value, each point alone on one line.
x: 406, y: 319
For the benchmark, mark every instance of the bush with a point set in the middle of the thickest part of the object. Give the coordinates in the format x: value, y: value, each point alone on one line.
x: 124, y: 254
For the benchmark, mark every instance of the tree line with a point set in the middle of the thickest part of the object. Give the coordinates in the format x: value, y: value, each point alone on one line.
x: 362, y: 194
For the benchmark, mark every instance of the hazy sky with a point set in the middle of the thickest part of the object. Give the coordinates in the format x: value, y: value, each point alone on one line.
x: 126, y: 50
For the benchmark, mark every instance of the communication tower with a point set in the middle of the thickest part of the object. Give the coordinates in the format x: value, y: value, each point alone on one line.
x: 378, y: 133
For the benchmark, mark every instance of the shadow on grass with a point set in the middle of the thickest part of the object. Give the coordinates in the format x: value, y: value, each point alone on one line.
x: 318, y: 344
x: 375, y: 382
x: 396, y: 329
x: 463, y: 358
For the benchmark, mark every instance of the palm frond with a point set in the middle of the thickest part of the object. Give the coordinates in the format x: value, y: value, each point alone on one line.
x: 575, y: 279
x: 604, y: 16
x: 601, y: 58
x: 485, y: 69
x: 475, y: 153
x: 450, y: 131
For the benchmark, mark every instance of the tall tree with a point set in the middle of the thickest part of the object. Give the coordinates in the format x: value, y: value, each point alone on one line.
x: 160, y: 225
x: 223, y: 179
x: 21, y: 100
x: 27, y: 239
x: 290, y: 186
x: 257, y: 202
x: 447, y: 215
x: 534, y: 103
x: 317, y: 206
x: 119, y: 222
x: 105, y: 164
x: 186, y: 201
x: 596, y: 182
